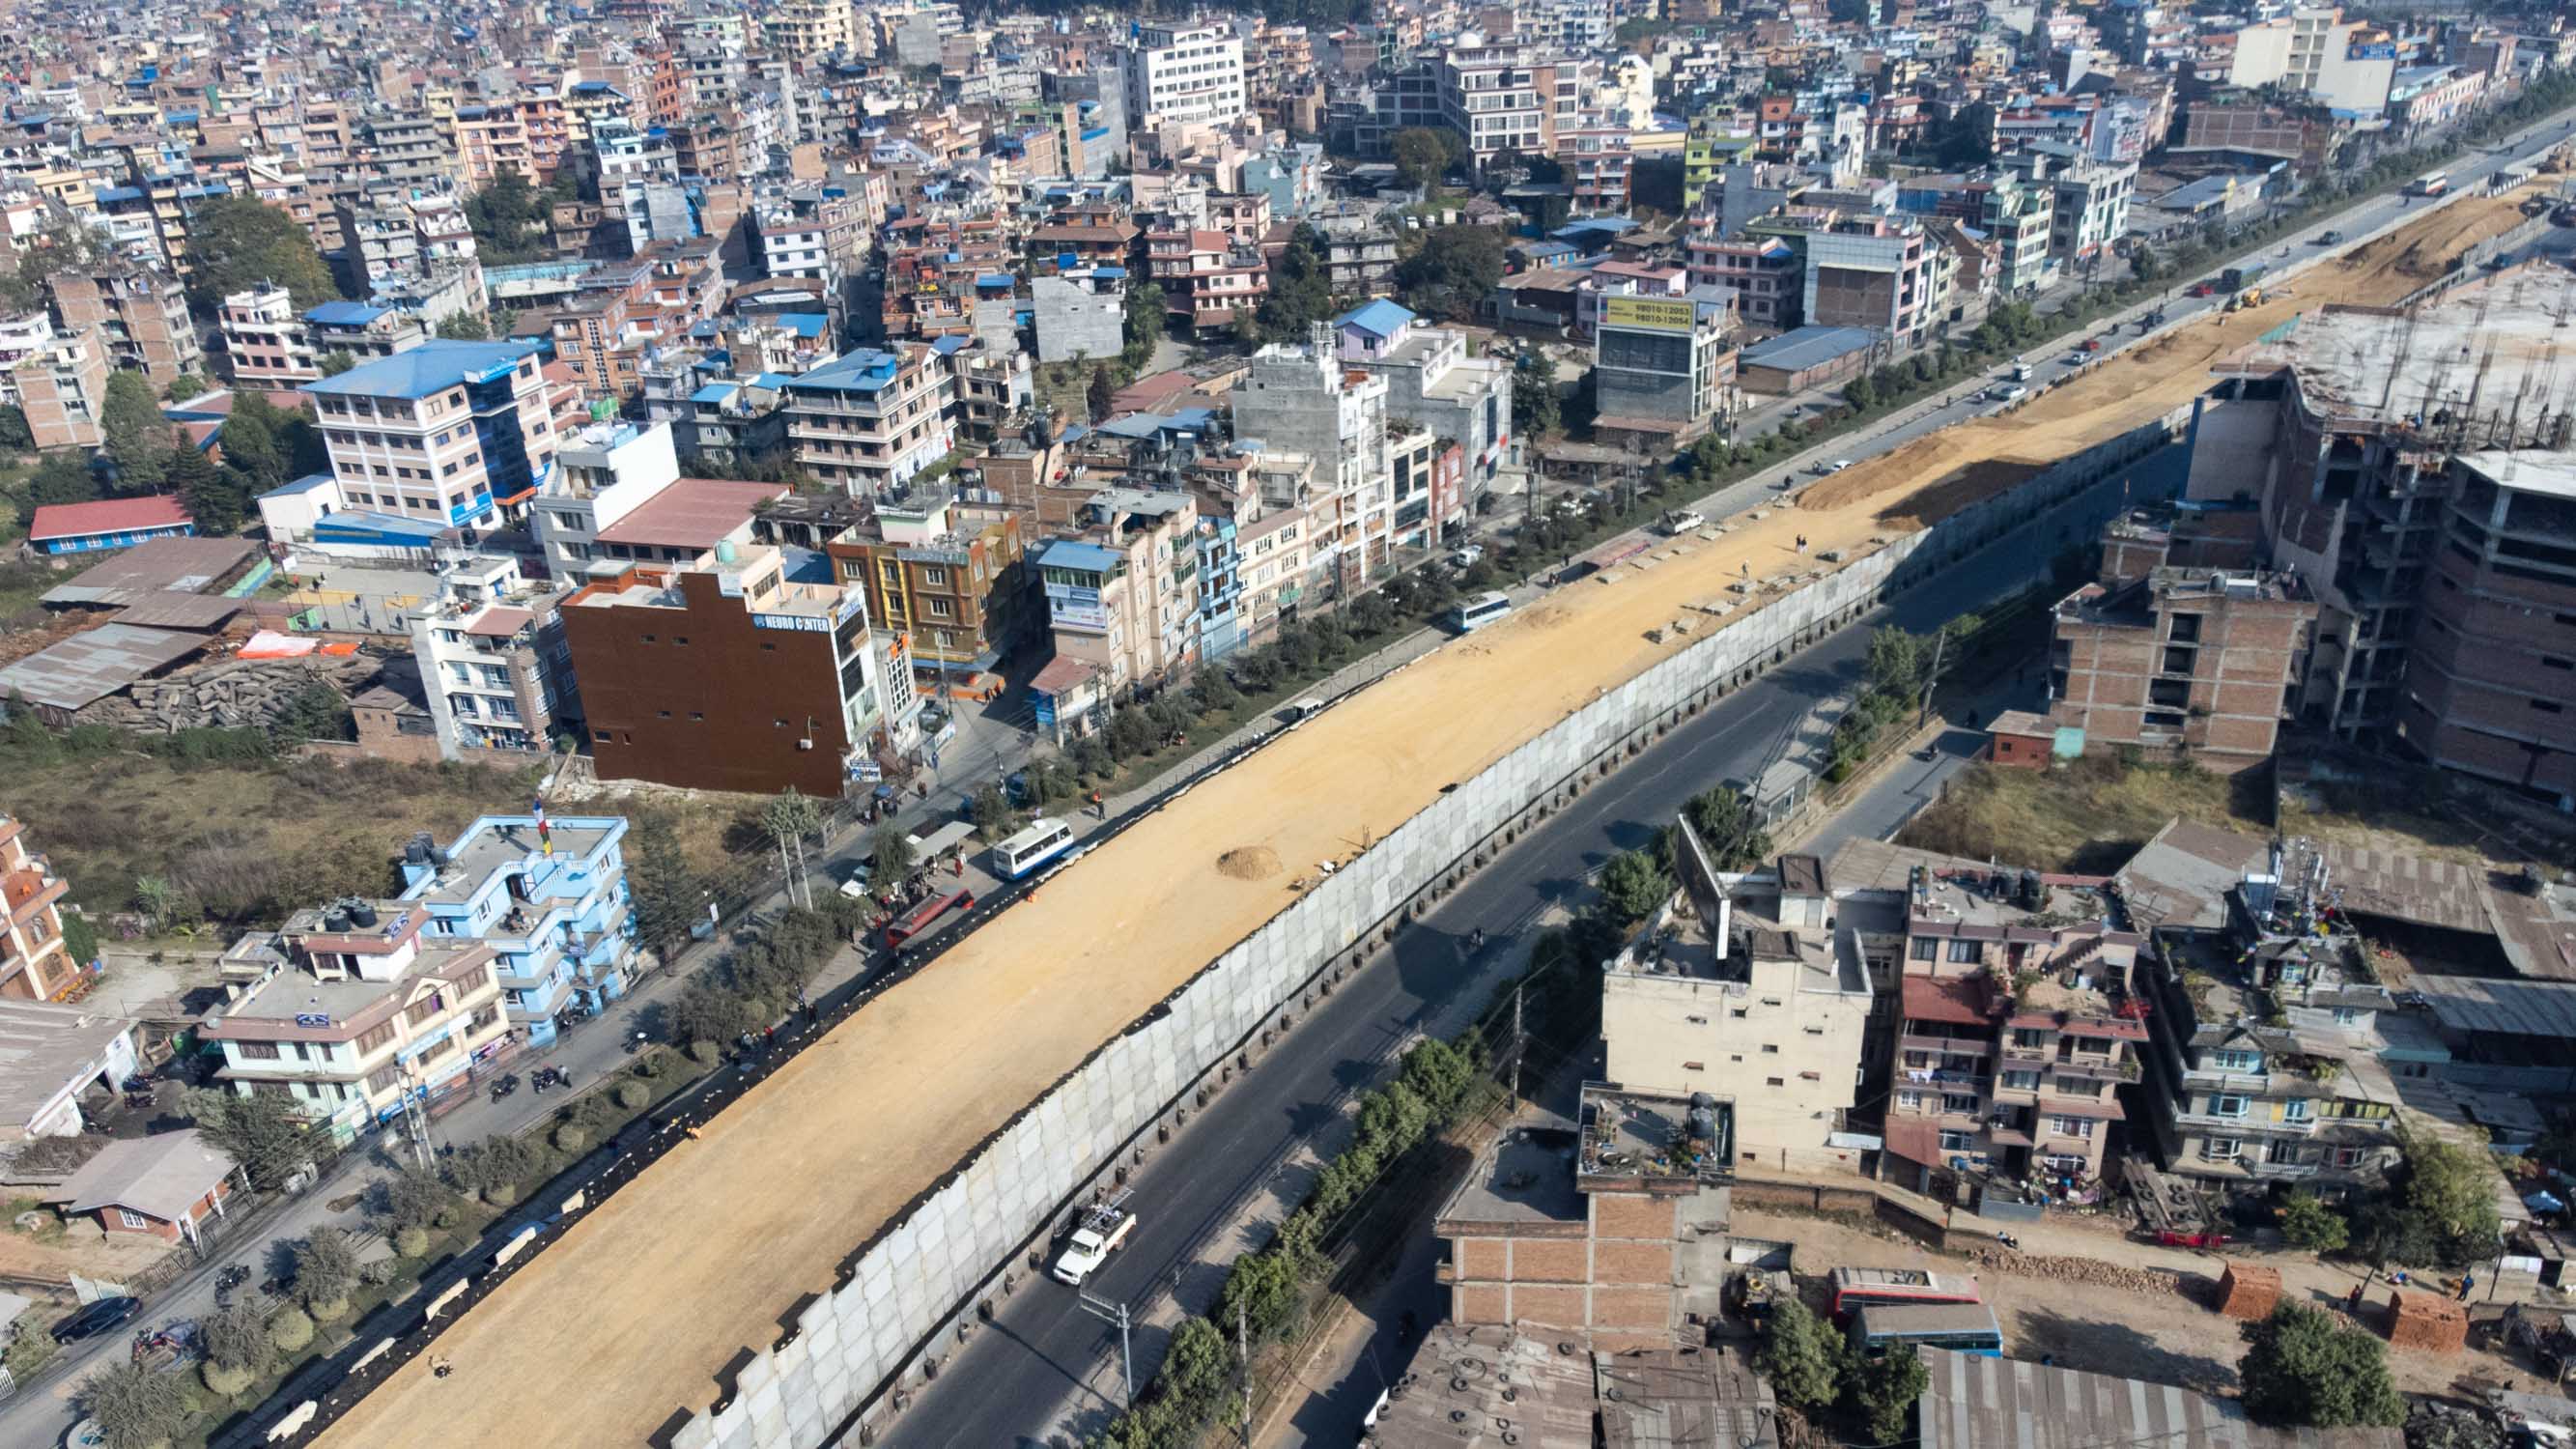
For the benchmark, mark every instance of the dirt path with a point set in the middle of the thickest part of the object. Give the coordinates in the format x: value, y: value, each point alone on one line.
x: 711, y: 1249
x: 1977, y: 459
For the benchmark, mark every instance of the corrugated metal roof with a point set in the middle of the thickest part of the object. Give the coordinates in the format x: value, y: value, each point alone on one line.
x: 89, y: 667
x: 180, y: 611
x: 1975, y: 1402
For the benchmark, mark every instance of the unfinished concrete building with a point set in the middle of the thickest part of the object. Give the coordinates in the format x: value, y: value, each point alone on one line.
x: 2194, y: 661
x: 2355, y: 429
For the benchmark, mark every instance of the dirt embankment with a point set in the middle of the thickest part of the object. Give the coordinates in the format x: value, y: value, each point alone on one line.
x: 1933, y: 477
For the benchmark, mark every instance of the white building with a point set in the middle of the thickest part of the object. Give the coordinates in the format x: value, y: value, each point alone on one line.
x: 266, y: 340
x: 494, y: 667
x: 1304, y: 399
x: 1190, y: 75
x: 451, y: 431
x: 601, y: 474
x: 1753, y: 987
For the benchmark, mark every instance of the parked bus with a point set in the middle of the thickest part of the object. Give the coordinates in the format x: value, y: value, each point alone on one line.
x: 1021, y: 855
x: 1476, y: 613
x: 917, y: 920
x: 2431, y: 183
x: 1856, y: 1287
x: 1965, y: 1327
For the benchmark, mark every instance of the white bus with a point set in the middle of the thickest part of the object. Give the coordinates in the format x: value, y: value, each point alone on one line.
x: 2431, y: 183
x: 1475, y: 613
x: 1021, y: 855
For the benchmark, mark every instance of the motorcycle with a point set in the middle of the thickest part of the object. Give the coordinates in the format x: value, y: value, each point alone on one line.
x: 1928, y: 753
x: 635, y: 1043
x: 505, y: 1086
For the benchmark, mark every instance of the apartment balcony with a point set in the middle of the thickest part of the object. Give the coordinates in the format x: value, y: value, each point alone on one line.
x: 2302, y: 1127
x: 1976, y: 1045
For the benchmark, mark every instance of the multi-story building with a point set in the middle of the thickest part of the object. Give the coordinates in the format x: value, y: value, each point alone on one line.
x: 1080, y: 313
x: 602, y: 473
x: 728, y: 676
x: 34, y: 966
x: 493, y: 665
x: 58, y: 379
x: 265, y: 342
x: 1431, y: 379
x: 2091, y: 210
x: 1874, y: 272
x: 1207, y: 277
x: 1303, y: 400
x: 361, y: 1011
x: 809, y: 29
x: 873, y: 419
x: 491, y: 140
x: 1123, y: 594
x: 2014, y: 1027
x: 941, y: 570
x: 1506, y: 94
x: 548, y: 895
x: 1754, y: 987
x: 1763, y: 272
x: 450, y: 431
x: 1581, y: 1227
x: 140, y: 313
x: 1663, y: 368
x: 2181, y: 659
x: 1187, y: 74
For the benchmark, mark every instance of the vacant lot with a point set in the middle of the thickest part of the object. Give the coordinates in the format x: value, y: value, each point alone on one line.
x: 2087, y: 817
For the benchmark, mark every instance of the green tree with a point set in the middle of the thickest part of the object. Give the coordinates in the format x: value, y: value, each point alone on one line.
x: 465, y: 327
x: 412, y: 1198
x: 133, y: 433
x: 1633, y: 886
x: 1801, y: 1356
x: 1536, y: 409
x: 290, y: 1328
x: 314, y: 712
x: 992, y: 812
x: 336, y: 361
x: 1453, y: 271
x: 326, y: 1272
x: 1420, y: 156
x: 80, y: 938
x: 219, y: 499
x: 1967, y: 137
x: 1146, y: 325
x: 239, y: 242
x: 262, y: 1132
x: 669, y: 894
x: 1884, y: 1389
x: 250, y: 443
x: 890, y: 853
x: 2303, y: 1367
x: 709, y: 1011
x: 1861, y: 393
x: 136, y: 1407
x: 789, y: 819
x: 1729, y: 827
x: 14, y: 432
x: 1301, y: 288
x: 2308, y: 1223
x: 1099, y: 397
x: 509, y: 219
x: 2439, y: 1208
x: 1262, y: 1289
x: 62, y: 478
x: 186, y: 386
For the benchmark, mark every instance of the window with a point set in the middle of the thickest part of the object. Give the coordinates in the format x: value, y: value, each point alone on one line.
x: 257, y: 1051
x: 2347, y: 1016
x: 2071, y: 1126
x: 2297, y: 1109
x: 2221, y: 1149
x: 1694, y: 1066
x: 2029, y: 1038
x: 1961, y: 1103
x: 132, y: 1219
x: 1910, y: 1101
x: 1924, y: 948
x: 1770, y: 1050
x: 2226, y: 1104
x: 1773, y: 1082
x: 378, y: 1036
x: 1958, y: 1142
x: 2021, y: 1081
x: 1966, y: 951
x: 2236, y: 1061
x: 2347, y: 1157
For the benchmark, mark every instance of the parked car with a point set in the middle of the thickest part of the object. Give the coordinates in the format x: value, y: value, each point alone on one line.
x: 1467, y: 557
x: 96, y: 1318
x: 1681, y: 521
x: 2009, y: 393
x: 855, y: 884
x: 2329, y: 237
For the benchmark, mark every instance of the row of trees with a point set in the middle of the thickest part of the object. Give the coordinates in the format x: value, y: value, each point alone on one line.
x: 1265, y: 1292
x: 1815, y: 1371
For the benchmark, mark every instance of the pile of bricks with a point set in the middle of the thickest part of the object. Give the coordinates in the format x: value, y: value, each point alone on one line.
x: 2427, y: 1323
x: 2092, y: 1271
x: 2248, y: 1292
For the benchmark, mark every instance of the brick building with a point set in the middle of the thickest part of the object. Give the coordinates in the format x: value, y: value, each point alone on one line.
x: 2179, y: 659
x: 1597, y: 1250
x: 33, y: 964
x: 141, y: 314
x: 727, y: 677
x: 943, y: 571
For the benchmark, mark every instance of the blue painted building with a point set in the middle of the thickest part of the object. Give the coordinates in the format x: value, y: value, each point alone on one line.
x: 550, y: 897
x: 1220, y: 589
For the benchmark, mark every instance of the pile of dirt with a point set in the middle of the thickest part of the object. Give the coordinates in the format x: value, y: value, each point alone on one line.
x: 2091, y: 1271
x: 1249, y: 862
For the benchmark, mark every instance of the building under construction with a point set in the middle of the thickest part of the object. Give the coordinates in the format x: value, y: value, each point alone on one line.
x: 2413, y: 466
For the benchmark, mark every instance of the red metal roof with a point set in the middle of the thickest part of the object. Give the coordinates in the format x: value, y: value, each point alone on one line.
x: 108, y: 515
x: 691, y: 513
x: 1957, y: 999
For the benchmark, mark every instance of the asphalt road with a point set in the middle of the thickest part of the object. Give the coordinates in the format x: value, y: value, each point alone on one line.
x: 1047, y: 1366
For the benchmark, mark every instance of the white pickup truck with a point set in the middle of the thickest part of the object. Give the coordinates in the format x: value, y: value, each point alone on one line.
x: 1103, y: 1230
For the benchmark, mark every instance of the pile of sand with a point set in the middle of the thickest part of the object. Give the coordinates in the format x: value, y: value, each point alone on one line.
x: 1249, y: 862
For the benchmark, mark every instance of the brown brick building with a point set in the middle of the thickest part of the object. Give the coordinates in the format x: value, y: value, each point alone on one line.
x: 2167, y: 658
x: 2491, y: 670
x: 943, y: 571
x: 1599, y: 1250
x: 141, y: 315
x: 726, y: 678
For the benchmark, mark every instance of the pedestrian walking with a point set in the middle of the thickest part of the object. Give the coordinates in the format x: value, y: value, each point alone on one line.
x: 1099, y: 807
x: 2467, y: 1282
x: 2352, y: 1301
x: 440, y: 1368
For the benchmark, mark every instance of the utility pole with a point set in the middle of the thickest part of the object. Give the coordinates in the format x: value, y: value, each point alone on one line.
x: 1519, y: 1044
x: 1116, y: 1313
x: 1932, y: 676
x: 1243, y: 1367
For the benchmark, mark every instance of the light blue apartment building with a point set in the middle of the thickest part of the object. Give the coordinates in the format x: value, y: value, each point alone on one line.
x: 551, y: 899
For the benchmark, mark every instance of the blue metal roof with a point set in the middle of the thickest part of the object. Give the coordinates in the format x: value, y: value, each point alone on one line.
x: 344, y: 314
x: 1065, y: 553
x: 951, y: 343
x: 381, y: 528
x: 1380, y: 318
x: 995, y: 279
x: 773, y: 380
x: 866, y: 370
x: 714, y: 392
x: 427, y: 368
x: 804, y: 324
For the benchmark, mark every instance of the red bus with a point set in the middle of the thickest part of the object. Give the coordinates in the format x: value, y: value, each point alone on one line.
x: 917, y: 920
x: 1855, y: 1287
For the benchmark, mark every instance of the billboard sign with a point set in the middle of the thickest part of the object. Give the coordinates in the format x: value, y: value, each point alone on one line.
x: 1651, y: 314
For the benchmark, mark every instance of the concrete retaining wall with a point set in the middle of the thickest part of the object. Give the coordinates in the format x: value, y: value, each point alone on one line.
x: 910, y: 1296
